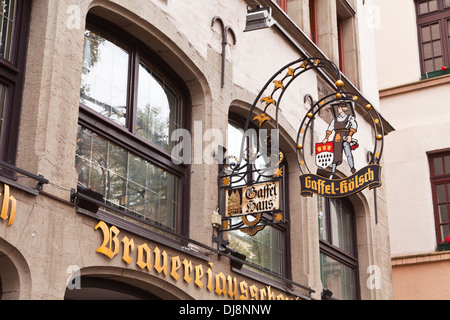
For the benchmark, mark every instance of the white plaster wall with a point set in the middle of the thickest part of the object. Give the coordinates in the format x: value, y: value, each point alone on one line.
x: 396, y: 36
x: 422, y: 120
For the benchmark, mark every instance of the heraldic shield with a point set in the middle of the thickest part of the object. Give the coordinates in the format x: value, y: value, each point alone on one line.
x: 324, y: 154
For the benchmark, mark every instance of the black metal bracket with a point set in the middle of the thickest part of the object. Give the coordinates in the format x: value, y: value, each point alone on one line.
x: 10, y: 177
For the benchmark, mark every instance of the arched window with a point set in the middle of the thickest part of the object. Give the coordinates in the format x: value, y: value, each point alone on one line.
x: 130, y: 103
x: 14, y: 21
x: 338, y: 257
x: 269, y: 248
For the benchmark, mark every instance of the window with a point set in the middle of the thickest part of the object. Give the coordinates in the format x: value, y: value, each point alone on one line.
x: 129, y: 107
x: 440, y: 184
x: 341, y: 44
x: 338, y: 262
x: 14, y: 20
x: 433, y: 20
x: 346, y: 51
x: 313, y: 20
x: 268, y: 248
x: 282, y: 4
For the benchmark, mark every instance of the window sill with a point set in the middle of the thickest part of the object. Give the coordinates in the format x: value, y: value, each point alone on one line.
x: 279, y: 284
x: 19, y: 186
x: 421, y: 84
x: 434, y: 74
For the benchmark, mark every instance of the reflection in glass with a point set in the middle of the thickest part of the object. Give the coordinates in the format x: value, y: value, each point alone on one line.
x: 338, y: 278
x: 127, y: 181
x: 158, y: 109
x: 443, y: 213
x: 105, y: 77
x: 438, y: 166
x: 322, y: 218
x: 447, y: 164
x: 7, y: 13
x: 265, y: 249
x: 341, y: 226
x: 445, y: 231
x: 433, y: 5
x: 441, y: 193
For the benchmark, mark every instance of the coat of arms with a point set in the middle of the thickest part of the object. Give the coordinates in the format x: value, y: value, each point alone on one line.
x: 324, y: 155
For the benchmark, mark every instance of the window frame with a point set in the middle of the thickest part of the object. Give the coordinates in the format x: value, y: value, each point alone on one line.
x: 435, y: 180
x: 313, y: 21
x: 340, y: 34
x: 441, y: 16
x: 125, y: 136
x: 327, y: 248
x: 282, y: 4
x: 12, y: 73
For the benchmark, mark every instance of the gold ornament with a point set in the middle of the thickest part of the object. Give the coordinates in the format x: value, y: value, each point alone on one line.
x: 339, y: 83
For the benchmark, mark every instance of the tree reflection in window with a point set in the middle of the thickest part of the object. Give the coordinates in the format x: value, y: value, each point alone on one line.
x: 105, y: 77
x: 127, y: 181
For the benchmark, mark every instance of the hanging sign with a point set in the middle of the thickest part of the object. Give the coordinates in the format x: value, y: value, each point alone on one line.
x: 251, y: 208
x: 337, y: 148
x: 366, y: 177
x: 253, y: 199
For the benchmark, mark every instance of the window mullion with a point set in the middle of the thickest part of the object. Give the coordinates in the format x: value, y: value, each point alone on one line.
x: 328, y: 220
x: 133, y: 83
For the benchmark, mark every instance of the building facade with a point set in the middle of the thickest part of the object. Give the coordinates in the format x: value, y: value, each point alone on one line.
x: 414, y: 96
x: 117, y: 118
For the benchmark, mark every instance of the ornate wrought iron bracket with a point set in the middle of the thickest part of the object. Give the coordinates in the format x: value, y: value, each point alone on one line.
x: 235, y: 174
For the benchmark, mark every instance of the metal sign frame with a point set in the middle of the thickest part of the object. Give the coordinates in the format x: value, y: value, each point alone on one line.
x: 235, y: 171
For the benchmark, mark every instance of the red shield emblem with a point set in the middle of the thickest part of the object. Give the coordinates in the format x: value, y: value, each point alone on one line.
x: 324, y: 155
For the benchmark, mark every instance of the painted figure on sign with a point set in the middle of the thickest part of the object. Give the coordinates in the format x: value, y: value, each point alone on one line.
x: 344, y: 126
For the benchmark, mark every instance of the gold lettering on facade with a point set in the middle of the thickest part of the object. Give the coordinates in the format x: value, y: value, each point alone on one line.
x: 198, y: 275
x: 109, y: 239
x: 128, y: 246
x: 159, y: 261
x: 253, y: 292
x: 209, y: 273
x: 143, y: 248
x: 244, y: 290
x: 270, y: 294
x: 187, y: 270
x: 232, y: 287
x: 8, y: 206
x: 176, y: 265
x: 158, y: 266
x: 220, y: 284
